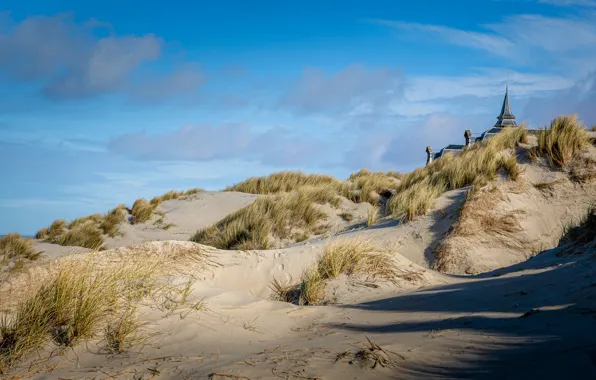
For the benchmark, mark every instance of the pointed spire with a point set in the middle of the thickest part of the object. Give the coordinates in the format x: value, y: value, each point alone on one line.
x: 506, y: 118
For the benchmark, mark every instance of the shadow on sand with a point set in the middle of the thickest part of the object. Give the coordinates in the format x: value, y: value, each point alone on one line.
x: 556, y: 340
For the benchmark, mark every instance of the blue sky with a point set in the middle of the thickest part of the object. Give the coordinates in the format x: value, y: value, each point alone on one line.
x: 103, y: 102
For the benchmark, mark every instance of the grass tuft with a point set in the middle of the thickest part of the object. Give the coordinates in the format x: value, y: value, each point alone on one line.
x: 349, y: 257
x: 82, y: 235
x: 142, y: 210
x: 372, y: 216
x: 14, y: 246
x: 559, y: 143
x: 109, y: 224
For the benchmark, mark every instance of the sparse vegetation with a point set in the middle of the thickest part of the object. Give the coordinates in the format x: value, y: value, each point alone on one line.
x: 349, y: 257
x: 15, y: 246
x: 582, y: 169
x: 559, y: 143
x: 282, y: 182
x: 110, y: 222
x: 84, y: 232
x: 363, y: 186
x: 142, y: 210
x: 68, y: 306
x: 86, y: 235
x: 280, y: 216
x: 348, y: 217
x: 419, y: 189
x: 546, y: 185
x: 479, y: 216
x: 284, y: 291
x: 584, y: 231
x: 123, y: 331
x: 156, y: 201
x: 367, y: 186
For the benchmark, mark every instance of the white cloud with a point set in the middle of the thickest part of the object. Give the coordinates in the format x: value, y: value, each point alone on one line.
x: 71, y: 62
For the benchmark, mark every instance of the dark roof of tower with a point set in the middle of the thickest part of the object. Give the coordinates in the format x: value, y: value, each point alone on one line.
x: 506, y: 118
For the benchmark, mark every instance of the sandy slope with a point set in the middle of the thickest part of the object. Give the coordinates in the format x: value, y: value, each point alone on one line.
x: 454, y: 327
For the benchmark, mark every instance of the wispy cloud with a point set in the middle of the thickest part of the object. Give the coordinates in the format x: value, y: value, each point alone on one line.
x: 490, y: 42
x: 278, y: 145
x: 72, y: 63
x: 526, y: 38
x: 355, y: 89
x: 563, y: 3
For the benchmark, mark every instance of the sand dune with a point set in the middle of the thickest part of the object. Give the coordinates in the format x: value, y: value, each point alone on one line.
x: 484, y: 287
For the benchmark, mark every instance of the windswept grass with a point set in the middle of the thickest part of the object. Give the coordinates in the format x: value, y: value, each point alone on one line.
x: 94, y: 219
x: 86, y: 235
x: 367, y: 186
x: 156, y: 201
x: 349, y: 257
x: 57, y: 228
x: 110, y: 222
x: 69, y: 306
x: 277, y: 216
x: 84, y: 232
x: 560, y: 142
x: 363, y: 186
x: 14, y: 246
x: 142, y: 210
x: 282, y: 182
x: 481, y: 163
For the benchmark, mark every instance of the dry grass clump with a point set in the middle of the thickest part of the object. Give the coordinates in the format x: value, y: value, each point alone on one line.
x: 69, y: 306
x: 481, y: 163
x: 480, y: 217
x: 284, y: 291
x: 559, y: 143
x: 86, y: 235
x: 156, y: 201
x: 372, y: 216
x: 349, y: 257
x: 584, y: 231
x: 93, y: 218
x: 279, y: 215
x: 57, y: 228
x: 14, y: 245
x: 367, y: 186
x: 110, y: 222
x: 281, y: 182
x: 582, y: 169
x: 142, y: 210
x: 84, y: 232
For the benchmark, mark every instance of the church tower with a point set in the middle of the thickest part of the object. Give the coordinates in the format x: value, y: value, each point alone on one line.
x: 506, y: 118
